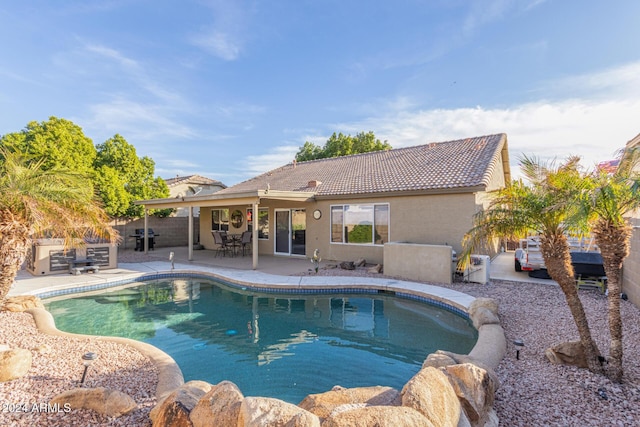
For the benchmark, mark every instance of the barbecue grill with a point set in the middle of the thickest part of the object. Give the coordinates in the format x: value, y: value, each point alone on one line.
x: 139, y: 235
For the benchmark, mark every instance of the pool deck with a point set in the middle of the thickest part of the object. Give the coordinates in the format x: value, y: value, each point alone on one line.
x: 280, y: 273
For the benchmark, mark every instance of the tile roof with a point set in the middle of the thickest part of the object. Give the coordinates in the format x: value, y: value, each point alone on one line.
x: 459, y: 164
x: 192, y: 179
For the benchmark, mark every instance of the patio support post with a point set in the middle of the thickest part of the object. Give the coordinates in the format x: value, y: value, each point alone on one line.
x: 190, y: 233
x: 146, y: 229
x: 254, y: 236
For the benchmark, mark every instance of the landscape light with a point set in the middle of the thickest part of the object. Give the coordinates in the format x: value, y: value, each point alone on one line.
x: 87, y: 360
x: 519, y: 344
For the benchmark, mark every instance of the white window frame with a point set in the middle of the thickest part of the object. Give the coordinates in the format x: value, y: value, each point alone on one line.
x: 373, y: 206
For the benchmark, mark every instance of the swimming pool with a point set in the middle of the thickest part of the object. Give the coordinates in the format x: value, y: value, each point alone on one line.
x: 277, y: 345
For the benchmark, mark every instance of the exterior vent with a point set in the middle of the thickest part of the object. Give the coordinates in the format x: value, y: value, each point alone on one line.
x: 314, y: 183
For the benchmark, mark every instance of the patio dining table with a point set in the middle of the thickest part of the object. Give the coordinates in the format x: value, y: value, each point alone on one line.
x: 234, y: 240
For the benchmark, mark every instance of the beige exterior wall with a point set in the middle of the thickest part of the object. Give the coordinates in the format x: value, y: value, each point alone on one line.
x: 428, y: 219
x: 441, y: 219
x: 631, y: 267
x: 265, y: 246
x: 431, y: 263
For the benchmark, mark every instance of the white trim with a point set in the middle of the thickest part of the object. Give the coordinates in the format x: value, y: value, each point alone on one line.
x: 372, y: 244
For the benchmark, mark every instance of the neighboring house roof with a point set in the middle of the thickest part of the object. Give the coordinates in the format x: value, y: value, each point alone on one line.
x: 192, y: 179
x: 608, y: 166
x: 445, y: 166
x: 634, y: 141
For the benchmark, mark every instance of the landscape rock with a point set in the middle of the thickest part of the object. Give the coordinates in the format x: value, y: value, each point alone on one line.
x: 475, y: 389
x: 219, y: 407
x: 430, y: 393
x: 22, y: 303
x: 266, y: 411
x: 375, y: 269
x: 112, y: 403
x: 487, y: 303
x: 567, y: 353
x: 14, y: 363
x: 360, y: 262
x: 175, y: 409
x: 439, y: 359
x: 483, y: 316
x: 323, y: 404
x: 379, y: 416
x: 347, y: 265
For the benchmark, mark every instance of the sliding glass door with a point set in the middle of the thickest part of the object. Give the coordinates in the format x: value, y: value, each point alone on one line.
x: 290, y: 238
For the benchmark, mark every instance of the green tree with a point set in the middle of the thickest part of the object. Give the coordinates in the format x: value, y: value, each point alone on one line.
x: 124, y: 177
x: 37, y: 201
x: 342, y: 145
x: 610, y: 199
x: 548, y: 207
x: 58, y: 142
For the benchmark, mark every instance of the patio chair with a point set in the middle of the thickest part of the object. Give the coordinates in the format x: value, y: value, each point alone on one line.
x: 220, y: 240
x: 246, y: 241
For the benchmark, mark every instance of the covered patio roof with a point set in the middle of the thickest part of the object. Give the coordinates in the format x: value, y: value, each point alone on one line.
x: 224, y: 199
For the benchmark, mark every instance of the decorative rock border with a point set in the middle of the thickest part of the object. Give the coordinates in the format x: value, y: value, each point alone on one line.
x: 449, y: 390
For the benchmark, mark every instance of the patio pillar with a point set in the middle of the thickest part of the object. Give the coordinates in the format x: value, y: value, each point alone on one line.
x: 190, y: 233
x: 254, y: 236
x: 146, y: 229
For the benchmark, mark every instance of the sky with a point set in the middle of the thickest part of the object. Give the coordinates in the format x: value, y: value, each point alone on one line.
x: 231, y: 89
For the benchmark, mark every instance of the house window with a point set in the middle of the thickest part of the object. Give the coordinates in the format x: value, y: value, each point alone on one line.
x: 263, y: 222
x: 360, y: 224
x: 220, y: 219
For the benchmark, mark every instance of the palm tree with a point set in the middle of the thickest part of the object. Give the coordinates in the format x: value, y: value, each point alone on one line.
x: 546, y: 208
x: 35, y: 202
x: 611, y: 197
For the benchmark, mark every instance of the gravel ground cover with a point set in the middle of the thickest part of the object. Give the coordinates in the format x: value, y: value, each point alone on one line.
x: 533, y: 392
x: 57, y: 367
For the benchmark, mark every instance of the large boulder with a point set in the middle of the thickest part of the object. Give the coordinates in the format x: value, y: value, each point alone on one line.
x: 112, y: 403
x: 475, y: 388
x: 485, y: 303
x: 483, y: 311
x: 219, y: 407
x: 440, y: 359
x: 21, y: 303
x: 430, y: 393
x: 14, y: 363
x: 322, y: 404
x: 379, y: 416
x: 567, y: 353
x: 175, y: 409
x: 266, y: 411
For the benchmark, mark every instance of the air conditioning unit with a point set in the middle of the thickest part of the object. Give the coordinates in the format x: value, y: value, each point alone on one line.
x: 478, y: 270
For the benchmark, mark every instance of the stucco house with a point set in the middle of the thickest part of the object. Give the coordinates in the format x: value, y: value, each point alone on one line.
x: 191, y: 185
x: 349, y: 207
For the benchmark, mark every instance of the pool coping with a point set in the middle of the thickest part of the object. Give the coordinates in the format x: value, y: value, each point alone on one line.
x: 488, y: 348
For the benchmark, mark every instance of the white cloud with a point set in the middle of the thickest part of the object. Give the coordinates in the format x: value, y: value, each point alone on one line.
x: 136, y: 72
x: 227, y: 33
x: 592, y: 127
x: 136, y: 121
x: 276, y: 157
x: 219, y: 44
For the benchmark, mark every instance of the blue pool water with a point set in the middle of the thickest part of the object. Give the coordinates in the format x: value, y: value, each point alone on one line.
x: 274, y: 345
